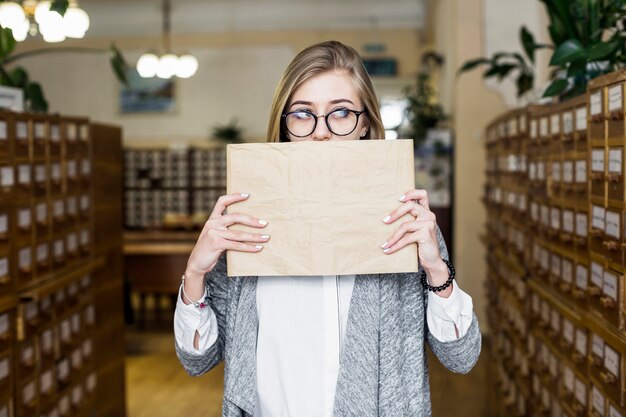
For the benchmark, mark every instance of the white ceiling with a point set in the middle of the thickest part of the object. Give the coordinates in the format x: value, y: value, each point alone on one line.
x: 114, y: 18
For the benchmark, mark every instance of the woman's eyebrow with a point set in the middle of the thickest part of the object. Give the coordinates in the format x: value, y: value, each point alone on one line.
x: 308, y: 103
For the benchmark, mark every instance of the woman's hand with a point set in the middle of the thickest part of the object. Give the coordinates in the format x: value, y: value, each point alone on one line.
x: 215, y: 237
x: 422, y: 230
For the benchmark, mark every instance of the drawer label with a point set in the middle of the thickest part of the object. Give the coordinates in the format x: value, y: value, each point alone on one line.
x: 581, y: 118
x: 568, y: 171
x: 611, y: 360
x: 597, y: 160
x: 39, y: 130
x: 581, y: 171
x: 71, y: 168
x: 24, y: 174
x: 4, y: 223
x: 555, y: 125
x: 613, y: 412
x: 533, y: 129
x: 567, y: 273
x: 55, y: 171
x: 555, y: 218
x: 4, y: 368
x: 610, y: 285
x: 59, y: 208
x: 46, y: 340
x: 568, y: 378
x: 556, y: 171
x: 8, y: 178
x: 597, y: 274
x: 597, y: 399
x: 555, y: 265
x: 541, y: 171
x: 612, y: 227
x: 24, y: 218
x: 568, y: 122
x: 25, y: 257
x: 4, y: 267
x: 21, y: 130
x: 4, y: 135
x: 86, y: 167
x: 581, y: 224
x: 616, y: 160
x: 63, y: 369
x: 543, y: 126
x: 598, y: 214
x: 597, y: 346
x: 46, y: 381
x: 55, y: 133
x: 42, y: 252
x: 581, y: 392
x: 4, y: 324
x: 555, y: 320
x: 596, y: 103
x: 568, y: 221
x: 40, y: 173
x: 568, y: 331
x: 42, y: 212
x: 28, y: 392
x: 616, y: 99
x: 59, y: 250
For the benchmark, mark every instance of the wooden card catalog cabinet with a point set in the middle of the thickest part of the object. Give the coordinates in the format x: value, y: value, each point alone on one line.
x: 40, y: 136
x: 23, y: 141
x: 56, y: 139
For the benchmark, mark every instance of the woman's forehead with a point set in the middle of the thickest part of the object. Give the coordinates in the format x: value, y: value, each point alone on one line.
x: 326, y: 87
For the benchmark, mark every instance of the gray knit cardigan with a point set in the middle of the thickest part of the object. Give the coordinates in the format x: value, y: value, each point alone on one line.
x: 383, y: 369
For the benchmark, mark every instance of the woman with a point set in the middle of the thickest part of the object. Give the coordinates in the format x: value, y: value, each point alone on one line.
x: 325, y: 345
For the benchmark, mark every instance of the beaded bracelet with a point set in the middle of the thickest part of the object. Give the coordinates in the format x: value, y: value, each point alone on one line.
x: 451, y: 274
x: 197, y: 304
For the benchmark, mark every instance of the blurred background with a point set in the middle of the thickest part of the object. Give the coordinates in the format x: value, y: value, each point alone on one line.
x: 112, y: 154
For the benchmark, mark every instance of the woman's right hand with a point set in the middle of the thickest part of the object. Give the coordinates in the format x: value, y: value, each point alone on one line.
x: 215, y: 237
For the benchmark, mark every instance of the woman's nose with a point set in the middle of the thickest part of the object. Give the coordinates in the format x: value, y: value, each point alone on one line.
x: 321, y: 131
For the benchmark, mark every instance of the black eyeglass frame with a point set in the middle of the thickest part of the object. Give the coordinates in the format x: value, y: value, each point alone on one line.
x: 325, y: 116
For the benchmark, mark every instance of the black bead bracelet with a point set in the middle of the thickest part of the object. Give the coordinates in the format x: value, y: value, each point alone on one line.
x: 429, y: 287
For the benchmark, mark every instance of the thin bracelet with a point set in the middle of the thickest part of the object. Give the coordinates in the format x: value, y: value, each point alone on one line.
x: 197, y: 304
x: 451, y: 274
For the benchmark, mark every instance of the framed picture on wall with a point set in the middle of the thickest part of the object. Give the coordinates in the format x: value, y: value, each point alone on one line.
x: 147, y: 95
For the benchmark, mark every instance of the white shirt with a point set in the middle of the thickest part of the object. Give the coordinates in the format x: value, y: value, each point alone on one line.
x: 302, y: 322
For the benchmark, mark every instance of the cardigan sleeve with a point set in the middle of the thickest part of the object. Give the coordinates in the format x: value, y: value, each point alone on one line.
x: 459, y: 355
x: 198, y: 363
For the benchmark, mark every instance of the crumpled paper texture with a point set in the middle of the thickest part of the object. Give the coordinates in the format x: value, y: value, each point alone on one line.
x: 324, y: 203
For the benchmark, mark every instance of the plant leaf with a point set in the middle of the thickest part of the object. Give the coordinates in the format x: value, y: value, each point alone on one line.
x: 7, y: 42
x: 118, y: 63
x: 568, y: 51
x: 473, y: 63
x: 33, y: 94
x: 59, y: 6
x: 601, y: 50
x: 528, y: 42
x: 19, y: 77
x: 524, y: 82
x: 556, y: 87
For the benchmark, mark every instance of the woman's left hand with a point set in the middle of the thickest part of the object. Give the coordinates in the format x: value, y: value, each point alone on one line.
x: 422, y: 230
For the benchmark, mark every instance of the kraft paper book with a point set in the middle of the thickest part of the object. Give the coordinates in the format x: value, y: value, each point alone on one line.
x: 324, y: 203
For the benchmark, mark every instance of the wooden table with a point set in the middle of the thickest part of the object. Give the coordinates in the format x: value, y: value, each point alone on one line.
x: 154, y: 263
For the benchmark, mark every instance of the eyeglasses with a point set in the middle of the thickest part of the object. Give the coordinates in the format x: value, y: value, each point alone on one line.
x: 302, y: 123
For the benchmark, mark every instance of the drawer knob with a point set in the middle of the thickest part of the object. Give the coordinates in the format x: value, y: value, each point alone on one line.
x: 597, y: 176
x: 610, y: 244
x: 593, y: 291
x: 597, y: 232
x: 608, y: 378
x: 615, y: 177
x: 607, y: 302
x: 595, y: 361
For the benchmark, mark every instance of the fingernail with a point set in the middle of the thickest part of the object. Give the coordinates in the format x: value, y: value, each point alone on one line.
x: 263, y: 222
x: 384, y: 244
x: 386, y: 219
x: 246, y: 195
x: 265, y: 236
x: 402, y: 197
x: 386, y: 250
x: 258, y: 246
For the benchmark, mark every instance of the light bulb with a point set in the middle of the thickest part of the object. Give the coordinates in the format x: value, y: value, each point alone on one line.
x: 76, y: 22
x: 187, y: 66
x: 42, y: 12
x: 21, y: 32
x: 11, y: 14
x: 147, y: 65
x: 167, y: 66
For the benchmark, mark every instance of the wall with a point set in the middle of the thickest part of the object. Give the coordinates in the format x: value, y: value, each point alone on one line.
x: 237, y: 76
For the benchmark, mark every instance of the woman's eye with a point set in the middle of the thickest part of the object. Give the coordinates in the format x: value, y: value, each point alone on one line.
x: 302, y: 115
x: 340, y: 113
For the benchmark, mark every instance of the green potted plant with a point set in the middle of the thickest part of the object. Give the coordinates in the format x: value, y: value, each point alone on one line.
x: 230, y: 132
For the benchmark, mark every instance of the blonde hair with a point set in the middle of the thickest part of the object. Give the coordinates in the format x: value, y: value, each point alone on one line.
x: 315, y: 60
